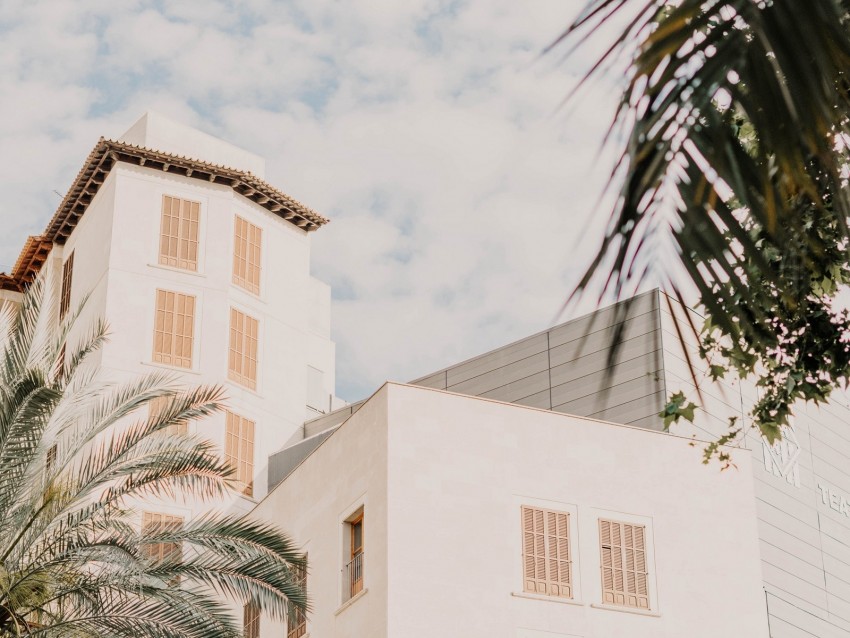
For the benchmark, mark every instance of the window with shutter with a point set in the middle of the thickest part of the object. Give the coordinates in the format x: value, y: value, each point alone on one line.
x: 174, y: 328
x: 178, y: 233
x: 239, y: 450
x: 251, y: 621
x: 179, y: 427
x: 244, y: 339
x: 296, y: 620
x: 67, y: 277
x: 247, y: 243
x: 624, y: 566
x: 155, y: 523
x: 546, y: 560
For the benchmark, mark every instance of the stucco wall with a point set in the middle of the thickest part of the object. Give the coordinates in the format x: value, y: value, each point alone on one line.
x: 347, y: 471
x: 459, y: 470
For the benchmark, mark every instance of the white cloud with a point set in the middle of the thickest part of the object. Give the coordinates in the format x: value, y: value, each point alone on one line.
x: 427, y: 130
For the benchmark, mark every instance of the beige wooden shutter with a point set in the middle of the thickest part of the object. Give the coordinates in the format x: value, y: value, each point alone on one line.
x: 247, y: 246
x: 180, y: 427
x: 67, y: 277
x: 296, y: 620
x: 251, y: 621
x: 239, y: 449
x: 174, y: 328
x: 178, y: 235
x: 546, y: 561
x: 244, y: 343
x: 558, y: 554
x: 623, y: 564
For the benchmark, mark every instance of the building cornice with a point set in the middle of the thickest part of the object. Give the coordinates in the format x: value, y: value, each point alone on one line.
x: 104, y: 157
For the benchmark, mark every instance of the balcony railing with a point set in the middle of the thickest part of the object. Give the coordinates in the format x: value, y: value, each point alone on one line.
x: 352, y: 577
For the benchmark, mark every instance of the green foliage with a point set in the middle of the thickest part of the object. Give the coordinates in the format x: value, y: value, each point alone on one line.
x: 736, y: 117
x: 676, y: 409
x: 76, y: 457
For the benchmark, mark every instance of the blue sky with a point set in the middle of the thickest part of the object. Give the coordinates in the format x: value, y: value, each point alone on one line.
x: 427, y: 130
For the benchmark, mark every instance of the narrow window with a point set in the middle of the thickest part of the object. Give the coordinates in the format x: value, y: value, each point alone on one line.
x: 179, y: 427
x: 624, y: 566
x: 353, y: 570
x: 50, y: 461
x: 174, y: 329
x: 164, y: 552
x: 247, y: 242
x: 178, y: 233
x: 251, y: 621
x: 239, y: 450
x: 296, y: 620
x: 67, y: 277
x: 546, y: 561
x: 242, y: 359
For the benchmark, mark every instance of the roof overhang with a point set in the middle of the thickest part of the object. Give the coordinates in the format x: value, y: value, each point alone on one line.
x: 104, y: 157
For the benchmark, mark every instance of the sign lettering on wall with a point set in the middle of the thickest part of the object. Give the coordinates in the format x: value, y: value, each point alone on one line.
x: 782, y: 459
x: 835, y: 500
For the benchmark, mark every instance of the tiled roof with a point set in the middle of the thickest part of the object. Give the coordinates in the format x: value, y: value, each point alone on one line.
x: 105, y: 155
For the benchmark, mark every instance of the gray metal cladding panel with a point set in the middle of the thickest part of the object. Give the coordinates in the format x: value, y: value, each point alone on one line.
x: 642, y: 367
x: 602, y: 340
x: 787, y: 582
x: 541, y: 400
x: 773, y: 516
x: 799, y: 619
x: 493, y: 379
x: 812, y: 574
x: 513, y: 392
x: 653, y: 422
x: 832, y: 526
x: 283, y: 462
x: 781, y: 539
x: 601, y: 319
x: 436, y: 381
x: 330, y: 420
x: 829, y: 445
x: 497, y: 359
x: 798, y: 502
x: 625, y: 392
x: 840, y: 570
x: 836, y: 548
x: 596, y: 361
x: 623, y: 413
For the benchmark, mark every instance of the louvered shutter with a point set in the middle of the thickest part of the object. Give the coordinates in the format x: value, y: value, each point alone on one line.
x: 178, y: 233
x: 67, y: 279
x: 623, y: 564
x: 546, y: 560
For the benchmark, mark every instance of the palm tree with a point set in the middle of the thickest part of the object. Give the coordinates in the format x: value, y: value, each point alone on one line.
x: 76, y: 454
x: 734, y: 122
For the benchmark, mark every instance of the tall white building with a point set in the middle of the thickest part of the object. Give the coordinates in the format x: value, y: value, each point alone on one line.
x: 201, y: 268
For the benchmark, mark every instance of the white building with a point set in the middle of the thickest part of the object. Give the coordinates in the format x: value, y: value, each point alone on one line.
x: 429, y: 513
x: 201, y: 268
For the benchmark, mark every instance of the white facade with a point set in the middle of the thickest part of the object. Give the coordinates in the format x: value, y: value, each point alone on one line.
x: 441, y: 479
x: 116, y: 243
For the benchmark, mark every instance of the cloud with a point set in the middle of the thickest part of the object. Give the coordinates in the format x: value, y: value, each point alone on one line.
x: 429, y: 132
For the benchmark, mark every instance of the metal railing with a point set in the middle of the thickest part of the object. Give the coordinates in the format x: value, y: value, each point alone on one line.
x: 352, y: 577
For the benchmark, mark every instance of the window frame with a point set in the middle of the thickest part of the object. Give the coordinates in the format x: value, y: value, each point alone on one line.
x: 171, y: 359
x: 183, y: 235
x: 251, y: 615
x: 296, y: 621
x: 351, y: 586
x: 238, y: 346
x: 243, y: 468
x: 621, y: 558
x: 243, y: 267
x: 66, y: 285
x: 166, y: 518
x: 549, y: 554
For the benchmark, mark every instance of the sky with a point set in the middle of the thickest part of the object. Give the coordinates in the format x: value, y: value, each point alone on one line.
x: 463, y: 195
